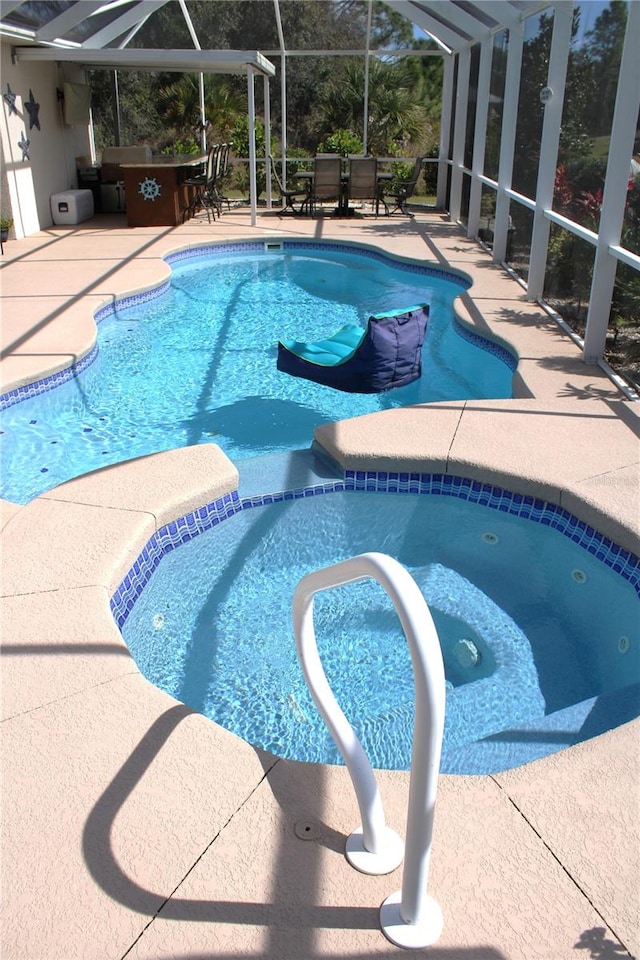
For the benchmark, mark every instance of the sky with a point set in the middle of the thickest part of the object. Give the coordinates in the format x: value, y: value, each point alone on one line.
x: 590, y: 10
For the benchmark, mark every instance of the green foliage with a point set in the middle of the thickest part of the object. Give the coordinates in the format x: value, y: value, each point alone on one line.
x: 631, y: 224
x: 533, y: 77
x: 586, y: 173
x: 401, y: 173
x: 343, y: 142
x: 141, y: 122
x: 569, y: 272
x: 181, y: 147
x: 179, y: 105
x: 162, y: 108
x: 395, y: 105
x: 240, y: 139
x: 240, y: 136
x: 625, y: 304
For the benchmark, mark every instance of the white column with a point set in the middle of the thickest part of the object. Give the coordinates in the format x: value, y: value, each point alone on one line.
x: 283, y: 88
x: 283, y: 111
x: 459, y: 129
x: 480, y: 135
x: 558, y: 59
x: 203, y: 116
x: 253, y: 195
x: 623, y: 129
x: 267, y: 136
x: 507, y: 140
x: 445, y: 129
x: 365, y: 118
x: 196, y: 43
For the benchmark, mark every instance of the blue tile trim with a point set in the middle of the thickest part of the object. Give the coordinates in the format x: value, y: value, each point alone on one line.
x: 626, y: 564
x: 621, y: 561
x: 216, y: 250
x: 144, y: 296
x: 309, y: 246
x: 49, y: 383
x: 163, y: 541
x: 486, y: 344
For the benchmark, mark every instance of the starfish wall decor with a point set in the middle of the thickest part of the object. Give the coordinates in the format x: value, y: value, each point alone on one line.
x: 33, y: 110
x: 24, y: 145
x: 10, y: 98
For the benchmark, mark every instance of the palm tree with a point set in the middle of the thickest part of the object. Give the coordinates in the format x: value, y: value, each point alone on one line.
x: 396, y: 108
x: 179, y: 103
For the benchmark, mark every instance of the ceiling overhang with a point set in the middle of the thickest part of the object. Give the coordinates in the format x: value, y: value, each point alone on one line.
x: 173, y: 61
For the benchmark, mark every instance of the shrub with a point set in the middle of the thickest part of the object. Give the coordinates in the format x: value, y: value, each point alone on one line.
x: 343, y: 142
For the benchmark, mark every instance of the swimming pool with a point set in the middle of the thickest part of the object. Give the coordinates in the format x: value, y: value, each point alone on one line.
x: 195, y: 360
x: 537, y: 615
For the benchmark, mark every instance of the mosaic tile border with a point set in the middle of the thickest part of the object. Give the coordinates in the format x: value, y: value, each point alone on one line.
x: 487, y: 344
x: 132, y: 300
x: 267, y: 246
x: 540, y: 511
x: 215, y: 250
x: 163, y: 541
x: 48, y: 383
x: 621, y: 561
x: 62, y: 376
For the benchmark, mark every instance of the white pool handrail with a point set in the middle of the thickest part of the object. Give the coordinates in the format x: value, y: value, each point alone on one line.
x: 410, y: 917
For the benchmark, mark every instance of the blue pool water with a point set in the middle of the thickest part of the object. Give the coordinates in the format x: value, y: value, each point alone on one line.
x: 540, y: 636
x: 197, y: 363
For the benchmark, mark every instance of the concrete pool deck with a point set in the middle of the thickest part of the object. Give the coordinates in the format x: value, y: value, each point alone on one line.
x: 133, y: 826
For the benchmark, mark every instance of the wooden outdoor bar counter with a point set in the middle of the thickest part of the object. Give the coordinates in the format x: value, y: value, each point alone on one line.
x: 155, y: 191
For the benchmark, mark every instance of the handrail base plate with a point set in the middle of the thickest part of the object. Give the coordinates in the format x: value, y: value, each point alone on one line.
x: 411, y: 936
x: 375, y: 864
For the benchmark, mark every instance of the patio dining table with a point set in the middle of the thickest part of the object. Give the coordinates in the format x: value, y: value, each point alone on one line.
x: 343, y: 209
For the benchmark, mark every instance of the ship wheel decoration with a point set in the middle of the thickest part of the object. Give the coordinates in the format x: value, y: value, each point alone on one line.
x: 150, y: 188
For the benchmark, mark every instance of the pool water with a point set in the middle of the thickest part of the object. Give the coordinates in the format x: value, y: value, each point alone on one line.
x: 530, y: 623
x: 198, y: 363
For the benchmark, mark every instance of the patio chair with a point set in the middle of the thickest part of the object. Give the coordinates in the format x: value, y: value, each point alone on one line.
x: 289, y: 197
x: 202, y: 185
x: 327, y: 181
x: 402, y: 190
x: 363, y: 180
x: 387, y: 354
x: 215, y: 192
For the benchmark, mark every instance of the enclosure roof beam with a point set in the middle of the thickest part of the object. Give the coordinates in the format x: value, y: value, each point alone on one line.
x: 181, y: 61
x: 68, y: 20
x: 452, y: 38
x: 124, y: 23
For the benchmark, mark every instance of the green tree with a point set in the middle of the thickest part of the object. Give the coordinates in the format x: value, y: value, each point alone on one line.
x: 138, y: 114
x: 395, y: 111
x: 343, y: 142
x: 161, y: 108
x: 604, y: 46
x: 179, y: 103
x: 533, y: 77
x: 240, y: 140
